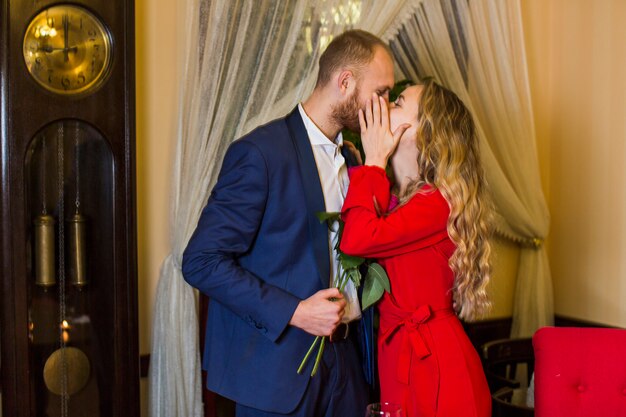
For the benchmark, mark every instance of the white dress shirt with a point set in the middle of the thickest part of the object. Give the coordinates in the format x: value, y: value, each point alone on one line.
x: 333, y: 173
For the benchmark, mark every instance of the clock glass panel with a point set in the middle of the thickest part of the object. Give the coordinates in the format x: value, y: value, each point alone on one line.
x: 67, y: 50
x: 69, y: 187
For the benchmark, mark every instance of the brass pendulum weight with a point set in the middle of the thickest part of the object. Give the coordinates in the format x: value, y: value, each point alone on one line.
x: 45, y: 256
x: 76, y: 233
x: 44, y: 250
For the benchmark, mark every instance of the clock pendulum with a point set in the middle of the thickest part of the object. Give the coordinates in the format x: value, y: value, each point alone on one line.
x: 76, y: 365
x: 67, y: 369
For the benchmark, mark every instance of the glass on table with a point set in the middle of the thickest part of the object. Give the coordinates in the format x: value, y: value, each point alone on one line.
x: 383, y: 410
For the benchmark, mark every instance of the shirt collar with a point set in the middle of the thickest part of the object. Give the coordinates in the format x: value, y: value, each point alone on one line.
x: 316, y: 136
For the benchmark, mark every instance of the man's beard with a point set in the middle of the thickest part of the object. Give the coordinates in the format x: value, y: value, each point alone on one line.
x: 346, y: 114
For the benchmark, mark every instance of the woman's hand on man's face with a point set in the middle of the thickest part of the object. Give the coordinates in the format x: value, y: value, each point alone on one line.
x: 376, y: 137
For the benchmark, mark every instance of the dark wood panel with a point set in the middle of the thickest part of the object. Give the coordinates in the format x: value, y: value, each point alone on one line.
x: 483, y: 331
x: 563, y: 321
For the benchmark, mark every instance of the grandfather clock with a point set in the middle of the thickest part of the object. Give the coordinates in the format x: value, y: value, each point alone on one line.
x: 67, y: 133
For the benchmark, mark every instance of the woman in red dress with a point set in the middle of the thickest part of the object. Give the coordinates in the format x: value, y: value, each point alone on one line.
x: 431, y: 236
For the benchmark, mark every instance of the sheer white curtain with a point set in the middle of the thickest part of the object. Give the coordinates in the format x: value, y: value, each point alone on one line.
x: 246, y: 62
x: 476, y: 48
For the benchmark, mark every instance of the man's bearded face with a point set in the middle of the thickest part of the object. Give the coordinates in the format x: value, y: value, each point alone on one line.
x: 346, y: 114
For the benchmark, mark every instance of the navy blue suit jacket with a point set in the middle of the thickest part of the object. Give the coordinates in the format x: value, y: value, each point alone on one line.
x: 257, y: 251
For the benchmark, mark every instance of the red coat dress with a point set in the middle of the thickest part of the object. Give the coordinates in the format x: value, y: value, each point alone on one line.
x: 426, y: 363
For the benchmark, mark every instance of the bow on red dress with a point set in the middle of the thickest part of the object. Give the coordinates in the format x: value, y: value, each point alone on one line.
x: 413, y: 323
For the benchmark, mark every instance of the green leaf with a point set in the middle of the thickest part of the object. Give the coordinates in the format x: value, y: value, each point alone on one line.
x: 325, y: 216
x: 372, y: 291
x: 355, y: 276
x: 349, y: 262
x: 376, y: 282
x: 378, y: 273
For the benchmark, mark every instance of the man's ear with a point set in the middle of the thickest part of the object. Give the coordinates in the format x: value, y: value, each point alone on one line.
x: 346, y: 82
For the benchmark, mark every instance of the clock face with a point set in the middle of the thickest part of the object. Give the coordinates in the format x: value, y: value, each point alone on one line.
x: 67, y: 50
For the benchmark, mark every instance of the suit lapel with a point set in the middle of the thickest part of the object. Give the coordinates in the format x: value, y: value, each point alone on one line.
x: 313, y: 193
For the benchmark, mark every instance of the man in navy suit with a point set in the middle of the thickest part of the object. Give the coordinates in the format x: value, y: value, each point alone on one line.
x: 266, y: 262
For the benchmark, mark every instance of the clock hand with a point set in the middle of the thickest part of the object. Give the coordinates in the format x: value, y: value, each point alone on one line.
x: 49, y: 49
x: 66, y: 36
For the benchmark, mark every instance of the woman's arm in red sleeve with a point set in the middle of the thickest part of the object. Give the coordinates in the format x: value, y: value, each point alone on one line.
x: 375, y: 178
x: 419, y: 223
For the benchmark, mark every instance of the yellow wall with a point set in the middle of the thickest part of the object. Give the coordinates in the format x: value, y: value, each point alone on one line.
x: 156, y: 31
x: 577, y: 63
x: 505, y: 260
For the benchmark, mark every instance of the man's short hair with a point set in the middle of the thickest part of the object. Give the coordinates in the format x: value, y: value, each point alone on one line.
x: 353, y: 49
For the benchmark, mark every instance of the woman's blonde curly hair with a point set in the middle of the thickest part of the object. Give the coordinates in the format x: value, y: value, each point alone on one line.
x: 448, y: 159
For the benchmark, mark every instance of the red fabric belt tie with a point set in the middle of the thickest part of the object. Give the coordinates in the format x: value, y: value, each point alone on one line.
x: 414, y: 339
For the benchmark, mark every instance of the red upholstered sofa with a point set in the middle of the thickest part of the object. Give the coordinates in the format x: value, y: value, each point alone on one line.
x: 580, y: 372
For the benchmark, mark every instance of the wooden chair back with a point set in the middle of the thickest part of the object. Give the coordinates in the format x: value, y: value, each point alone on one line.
x: 501, y: 359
